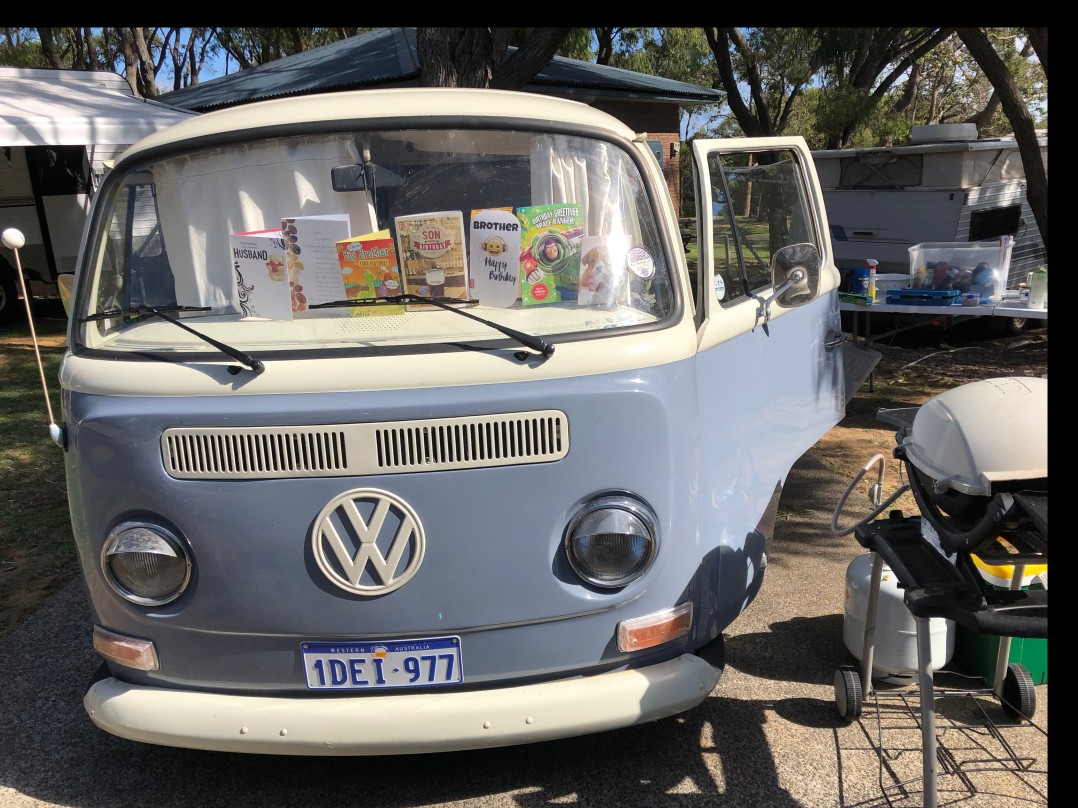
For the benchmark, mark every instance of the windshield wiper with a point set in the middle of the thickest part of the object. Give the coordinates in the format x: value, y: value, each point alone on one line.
x: 540, y: 346
x: 161, y: 311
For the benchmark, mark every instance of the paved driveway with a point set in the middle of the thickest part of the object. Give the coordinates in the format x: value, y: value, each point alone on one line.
x: 769, y: 735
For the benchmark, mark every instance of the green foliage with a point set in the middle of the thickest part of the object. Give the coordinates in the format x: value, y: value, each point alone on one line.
x: 577, y: 44
x: 27, y: 54
x: 681, y: 54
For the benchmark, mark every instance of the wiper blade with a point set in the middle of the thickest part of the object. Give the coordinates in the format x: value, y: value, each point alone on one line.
x: 139, y: 311
x: 163, y: 312
x: 537, y: 344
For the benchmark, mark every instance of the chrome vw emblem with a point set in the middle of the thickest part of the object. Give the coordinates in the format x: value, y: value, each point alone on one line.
x: 368, y: 542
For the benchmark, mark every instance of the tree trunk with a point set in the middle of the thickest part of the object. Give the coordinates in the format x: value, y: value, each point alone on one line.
x: 976, y: 41
x: 1038, y: 38
x: 475, y: 57
x: 48, y: 47
x: 127, y: 48
x: 605, y: 39
x: 719, y: 41
x: 456, y: 57
x: 146, y: 71
x: 531, y: 57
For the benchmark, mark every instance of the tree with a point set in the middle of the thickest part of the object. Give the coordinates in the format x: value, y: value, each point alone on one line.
x: 251, y: 46
x: 476, y: 57
x: 774, y: 64
x: 189, y: 58
x: 859, y: 68
x: 19, y: 48
x: 1014, y: 106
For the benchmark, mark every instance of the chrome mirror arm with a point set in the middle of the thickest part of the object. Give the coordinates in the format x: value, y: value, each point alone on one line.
x: 764, y: 309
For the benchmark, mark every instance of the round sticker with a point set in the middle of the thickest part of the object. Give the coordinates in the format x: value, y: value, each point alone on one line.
x: 720, y: 287
x: 641, y: 263
x: 539, y: 291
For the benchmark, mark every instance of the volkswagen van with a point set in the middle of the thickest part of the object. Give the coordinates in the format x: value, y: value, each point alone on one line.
x: 507, y: 481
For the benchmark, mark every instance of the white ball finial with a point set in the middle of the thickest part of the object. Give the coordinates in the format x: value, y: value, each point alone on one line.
x: 13, y: 238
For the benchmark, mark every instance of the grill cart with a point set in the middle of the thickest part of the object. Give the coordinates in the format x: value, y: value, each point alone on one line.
x: 976, y: 461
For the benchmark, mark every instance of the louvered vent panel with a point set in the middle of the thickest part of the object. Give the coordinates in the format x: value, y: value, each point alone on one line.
x: 239, y: 453
x: 359, y: 449
x: 491, y: 441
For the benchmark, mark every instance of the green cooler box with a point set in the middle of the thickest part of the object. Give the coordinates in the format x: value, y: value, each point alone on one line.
x: 976, y: 653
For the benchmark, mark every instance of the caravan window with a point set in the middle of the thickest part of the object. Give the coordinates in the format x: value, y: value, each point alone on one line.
x: 881, y: 170
x: 985, y: 225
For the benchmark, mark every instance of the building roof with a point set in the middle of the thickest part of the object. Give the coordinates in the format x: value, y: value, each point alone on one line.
x: 43, y: 107
x: 387, y: 57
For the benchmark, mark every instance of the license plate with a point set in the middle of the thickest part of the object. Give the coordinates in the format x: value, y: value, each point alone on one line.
x: 382, y: 665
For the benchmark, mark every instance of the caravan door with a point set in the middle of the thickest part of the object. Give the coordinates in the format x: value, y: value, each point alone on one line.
x: 770, y: 371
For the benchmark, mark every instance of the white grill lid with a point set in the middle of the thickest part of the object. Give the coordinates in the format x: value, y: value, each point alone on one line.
x: 981, y: 433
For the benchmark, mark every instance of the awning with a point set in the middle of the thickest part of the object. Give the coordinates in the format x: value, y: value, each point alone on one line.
x: 76, y: 107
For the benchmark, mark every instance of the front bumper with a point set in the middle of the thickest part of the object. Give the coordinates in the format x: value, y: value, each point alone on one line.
x: 400, y: 724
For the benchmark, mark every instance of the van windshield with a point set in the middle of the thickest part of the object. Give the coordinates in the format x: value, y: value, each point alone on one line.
x: 259, y: 243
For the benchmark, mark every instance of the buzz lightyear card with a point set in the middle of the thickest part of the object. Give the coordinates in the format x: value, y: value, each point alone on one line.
x: 550, y: 252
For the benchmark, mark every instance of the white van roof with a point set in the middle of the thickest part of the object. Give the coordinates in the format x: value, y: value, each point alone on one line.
x: 481, y: 105
x: 43, y: 107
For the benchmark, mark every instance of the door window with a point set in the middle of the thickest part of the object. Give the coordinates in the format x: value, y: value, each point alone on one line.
x: 759, y: 206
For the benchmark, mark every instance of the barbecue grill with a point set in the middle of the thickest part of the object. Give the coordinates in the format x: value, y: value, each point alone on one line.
x: 976, y: 461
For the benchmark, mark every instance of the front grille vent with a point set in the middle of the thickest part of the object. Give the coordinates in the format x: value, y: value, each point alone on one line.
x: 246, y: 453
x: 474, y: 442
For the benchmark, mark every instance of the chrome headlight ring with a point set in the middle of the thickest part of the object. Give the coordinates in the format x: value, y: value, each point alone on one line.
x: 612, y: 540
x: 145, y: 563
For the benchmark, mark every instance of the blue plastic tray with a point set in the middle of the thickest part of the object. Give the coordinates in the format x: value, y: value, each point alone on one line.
x: 923, y: 297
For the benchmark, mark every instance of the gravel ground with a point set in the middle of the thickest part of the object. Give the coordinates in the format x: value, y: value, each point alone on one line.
x: 768, y: 735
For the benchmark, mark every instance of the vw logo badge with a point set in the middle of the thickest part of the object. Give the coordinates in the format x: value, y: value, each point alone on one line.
x: 368, y: 542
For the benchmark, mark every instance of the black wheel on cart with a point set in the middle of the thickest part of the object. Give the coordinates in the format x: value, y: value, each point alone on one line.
x: 1012, y: 326
x: 849, y: 697
x: 1019, y: 697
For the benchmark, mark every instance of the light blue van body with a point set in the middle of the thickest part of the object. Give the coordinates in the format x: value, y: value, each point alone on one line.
x: 466, y: 612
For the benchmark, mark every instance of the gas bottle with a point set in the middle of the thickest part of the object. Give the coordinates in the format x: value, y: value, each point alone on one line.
x: 872, y: 263
x: 894, y: 647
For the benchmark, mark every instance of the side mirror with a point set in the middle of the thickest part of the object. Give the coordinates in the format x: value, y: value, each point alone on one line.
x: 795, y: 274
x: 795, y: 277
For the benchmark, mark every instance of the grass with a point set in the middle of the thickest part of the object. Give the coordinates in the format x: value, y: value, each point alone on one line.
x: 37, y: 551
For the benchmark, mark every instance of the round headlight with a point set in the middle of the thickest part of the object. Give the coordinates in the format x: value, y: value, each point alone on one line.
x: 145, y: 564
x: 612, y: 540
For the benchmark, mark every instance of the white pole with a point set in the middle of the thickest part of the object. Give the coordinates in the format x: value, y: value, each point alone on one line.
x: 13, y: 239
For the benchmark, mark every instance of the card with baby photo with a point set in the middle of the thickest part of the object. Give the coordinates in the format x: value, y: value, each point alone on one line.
x: 602, y: 271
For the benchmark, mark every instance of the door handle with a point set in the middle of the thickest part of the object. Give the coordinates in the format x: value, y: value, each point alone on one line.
x: 836, y: 341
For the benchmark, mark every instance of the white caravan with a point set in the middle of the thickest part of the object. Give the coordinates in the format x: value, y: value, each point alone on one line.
x: 945, y: 186
x: 59, y: 132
